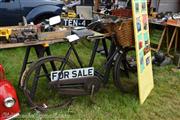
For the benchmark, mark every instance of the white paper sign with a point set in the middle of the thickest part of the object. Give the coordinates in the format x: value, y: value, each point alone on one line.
x: 54, y: 20
x: 72, y: 38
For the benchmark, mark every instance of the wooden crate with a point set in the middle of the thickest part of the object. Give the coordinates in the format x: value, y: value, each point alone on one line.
x: 54, y: 35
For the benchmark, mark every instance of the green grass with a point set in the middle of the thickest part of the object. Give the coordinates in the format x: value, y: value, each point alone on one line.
x: 155, y: 36
x: 162, y: 103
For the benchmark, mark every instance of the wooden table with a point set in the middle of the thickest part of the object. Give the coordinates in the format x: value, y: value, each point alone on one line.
x: 164, y: 34
x: 174, y: 39
x: 41, y: 48
x: 33, y: 43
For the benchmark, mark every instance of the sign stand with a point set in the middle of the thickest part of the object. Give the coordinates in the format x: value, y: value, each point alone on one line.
x: 143, y: 50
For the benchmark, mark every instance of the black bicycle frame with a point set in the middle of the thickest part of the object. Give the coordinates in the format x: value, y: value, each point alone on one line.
x: 110, y: 58
x: 113, y: 51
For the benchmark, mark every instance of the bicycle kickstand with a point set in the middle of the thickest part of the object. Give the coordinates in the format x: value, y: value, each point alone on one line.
x: 92, y: 94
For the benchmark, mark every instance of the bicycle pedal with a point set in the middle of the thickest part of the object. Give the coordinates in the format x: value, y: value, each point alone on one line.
x: 92, y: 91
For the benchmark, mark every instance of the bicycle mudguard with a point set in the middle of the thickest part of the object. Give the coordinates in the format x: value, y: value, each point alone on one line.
x: 77, y: 86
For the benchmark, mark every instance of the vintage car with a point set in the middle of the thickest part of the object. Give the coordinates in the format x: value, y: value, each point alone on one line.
x: 12, y: 11
x: 9, y: 104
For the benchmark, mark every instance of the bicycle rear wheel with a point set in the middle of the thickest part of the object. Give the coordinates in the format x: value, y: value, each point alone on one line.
x: 125, y: 71
x: 35, y: 83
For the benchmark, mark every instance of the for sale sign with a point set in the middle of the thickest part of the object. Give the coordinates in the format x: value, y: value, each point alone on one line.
x: 72, y: 73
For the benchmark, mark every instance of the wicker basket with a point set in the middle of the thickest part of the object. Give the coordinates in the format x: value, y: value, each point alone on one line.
x: 125, y: 33
x: 109, y: 28
x: 123, y: 13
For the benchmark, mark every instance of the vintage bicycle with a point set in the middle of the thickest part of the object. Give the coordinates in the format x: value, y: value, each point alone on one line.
x: 51, y: 77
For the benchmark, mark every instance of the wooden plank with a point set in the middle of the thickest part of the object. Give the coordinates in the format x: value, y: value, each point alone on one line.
x: 54, y: 35
x: 172, y: 40
x: 161, y: 39
x: 175, y: 25
x: 15, y: 45
x: 176, y: 41
x: 157, y: 23
x: 167, y: 37
x: 96, y: 35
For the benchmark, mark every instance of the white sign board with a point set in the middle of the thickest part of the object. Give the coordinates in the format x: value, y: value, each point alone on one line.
x: 54, y: 20
x: 73, y: 73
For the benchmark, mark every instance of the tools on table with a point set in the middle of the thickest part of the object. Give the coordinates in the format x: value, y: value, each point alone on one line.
x: 17, y: 34
x: 5, y: 34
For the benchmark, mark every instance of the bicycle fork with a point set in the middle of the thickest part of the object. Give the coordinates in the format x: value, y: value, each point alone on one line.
x: 109, y: 64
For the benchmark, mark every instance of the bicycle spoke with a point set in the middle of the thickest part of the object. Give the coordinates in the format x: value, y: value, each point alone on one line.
x: 46, y: 72
x: 53, y: 66
x: 125, y: 78
x: 35, y: 83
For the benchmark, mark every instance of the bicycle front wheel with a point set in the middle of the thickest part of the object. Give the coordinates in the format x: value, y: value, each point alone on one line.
x: 35, y: 82
x: 125, y: 71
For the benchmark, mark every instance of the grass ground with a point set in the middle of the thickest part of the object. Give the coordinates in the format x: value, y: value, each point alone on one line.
x: 162, y: 103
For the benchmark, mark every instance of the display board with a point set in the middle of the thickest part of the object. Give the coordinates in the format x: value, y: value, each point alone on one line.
x: 143, y: 51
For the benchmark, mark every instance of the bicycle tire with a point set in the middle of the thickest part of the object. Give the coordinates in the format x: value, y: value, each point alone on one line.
x: 125, y: 74
x: 26, y: 81
x: 130, y: 58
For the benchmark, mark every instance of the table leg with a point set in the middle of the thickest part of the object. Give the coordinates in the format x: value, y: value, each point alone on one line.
x: 25, y: 62
x: 153, y: 49
x: 176, y: 42
x: 167, y: 37
x: 40, y: 51
x: 171, y: 41
x: 161, y: 39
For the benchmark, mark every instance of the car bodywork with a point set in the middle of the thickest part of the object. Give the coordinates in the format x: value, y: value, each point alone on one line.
x: 9, y: 104
x: 12, y: 11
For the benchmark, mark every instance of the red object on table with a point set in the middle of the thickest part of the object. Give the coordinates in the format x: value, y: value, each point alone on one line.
x: 173, y: 23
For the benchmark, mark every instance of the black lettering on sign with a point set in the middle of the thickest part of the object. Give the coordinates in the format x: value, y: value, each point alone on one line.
x: 79, y: 73
x: 74, y: 74
x: 54, y: 75
x: 60, y: 75
x: 84, y: 73
x: 90, y: 71
x: 66, y: 74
